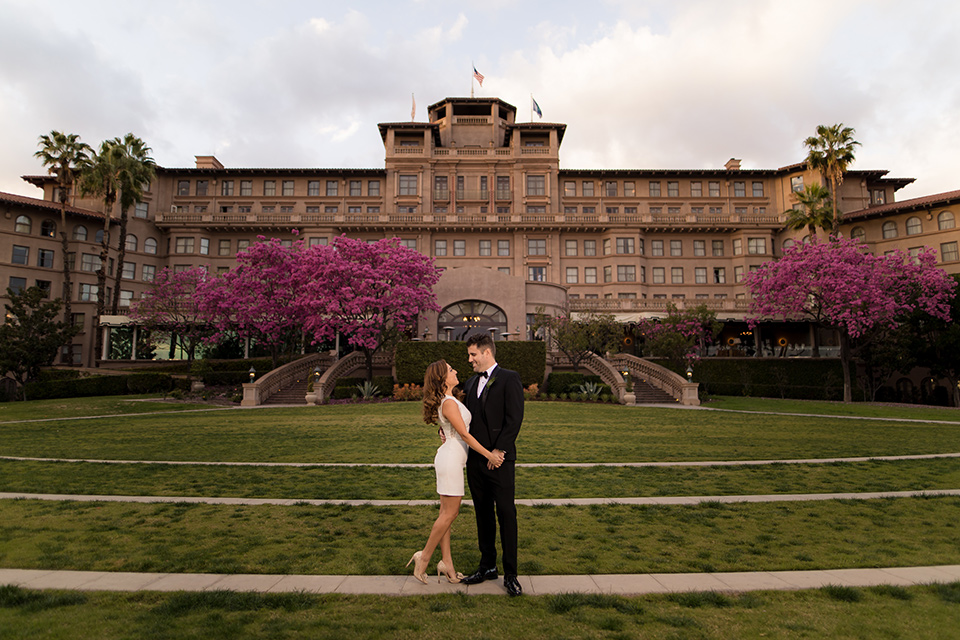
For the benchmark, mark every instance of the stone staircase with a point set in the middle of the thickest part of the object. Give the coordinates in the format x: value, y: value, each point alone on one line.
x: 292, y: 394
x: 648, y: 394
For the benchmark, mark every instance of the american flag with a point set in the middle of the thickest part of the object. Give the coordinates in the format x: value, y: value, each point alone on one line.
x: 478, y: 76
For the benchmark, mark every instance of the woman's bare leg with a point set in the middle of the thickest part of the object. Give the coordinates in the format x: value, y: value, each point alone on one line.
x: 449, y: 509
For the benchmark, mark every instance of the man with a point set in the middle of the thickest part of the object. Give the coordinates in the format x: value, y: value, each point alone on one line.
x: 495, y: 399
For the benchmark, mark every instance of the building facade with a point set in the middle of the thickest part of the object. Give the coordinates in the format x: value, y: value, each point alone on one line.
x: 485, y: 195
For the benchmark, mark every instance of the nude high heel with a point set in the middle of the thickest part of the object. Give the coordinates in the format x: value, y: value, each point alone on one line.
x: 442, y: 570
x: 419, y: 575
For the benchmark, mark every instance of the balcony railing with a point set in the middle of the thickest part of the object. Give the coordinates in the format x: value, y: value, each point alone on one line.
x: 611, y: 305
x: 473, y: 194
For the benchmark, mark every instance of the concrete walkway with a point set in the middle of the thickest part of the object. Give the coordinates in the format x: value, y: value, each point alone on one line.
x: 636, y: 584
x: 560, y: 502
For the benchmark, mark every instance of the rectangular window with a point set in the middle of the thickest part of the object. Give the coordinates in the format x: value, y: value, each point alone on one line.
x: 537, y: 247
x: 503, y: 247
x: 226, y: 188
x: 204, y: 246
x: 756, y: 246
x: 587, y: 188
x: 659, y: 275
x: 18, y: 284
x: 626, y: 273
x: 696, y: 189
x: 223, y: 248
x: 606, y: 247
x: 373, y: 187
x: 202, y: 186
x: 184, y: 245
x: 699, y: 248
x: 570, y: 188
x: 245, y: 209
x: 409, y: 243
x: 737, y: 246
x: 148, y: 272
x: 656, y: 247
x: 717, y: 246
x: 719, y: 275
x: 948, y: 252
x: 714, y: 189
x: 536, y: 185
x: 503, y: 187
x: 242, y: 245
x: 738, y: 274
x: 676, y: 248
x: 246, y: 187
x: 183, y: 188
x: 570, y: 248
x: 459, y: 247
x: 331, y: 208
x: 673, y: 189
x: 505, y: 270
x: 610, y: 188
x: 589, y: 247
x: 537, y: 274
x: 757, y: 189
x: 590, y: 275
x: 440, y: 248
x: 485, y: 247
x: 355, y: 187
x: 270, y: 187
x: 313, y: 187
x: 408, y: 185
x: 354, y: 209
x: 373, y: 209
x: 533, y: 209
x: 88, y: 292
x: 333, y: 187
x: 288, y: 187
x: 141, y: 210
x: 796, y: 184
x: 613, y: 210
x: 654, y: 188
x: 569, y: 210
x: 129, y: 270
x: 643, y: 275
x: 573, y: 275
x: 700, y: 275
x: 739, y: 189
x: 676, y: 275
x: 589, y: 209
x: 267, y: 209
x: 321, y: 241
x: 630, y: 189
x: 627, y: 296
x: 89, y: 262
x: 608, y: 274
x: 45, y: 258
x: 624, y: 245
x: 125, y: 298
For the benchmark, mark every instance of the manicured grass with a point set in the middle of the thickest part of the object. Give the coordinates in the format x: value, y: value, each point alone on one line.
x: 386, y: 483
x: 917, y: 612
x: 370, y: 540
x: 98, y: 406
x: 394, y: 433
x: 872, y: 410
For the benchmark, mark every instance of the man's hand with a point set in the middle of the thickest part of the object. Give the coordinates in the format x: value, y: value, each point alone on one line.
x: 443, y: 437
x: 497, y: 461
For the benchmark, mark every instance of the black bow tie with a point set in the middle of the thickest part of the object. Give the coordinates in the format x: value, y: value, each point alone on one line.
x: 483, y: 374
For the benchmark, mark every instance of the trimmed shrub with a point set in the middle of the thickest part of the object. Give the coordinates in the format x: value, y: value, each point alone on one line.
x: 149, y: 383
x: 411, y: 359
x: 347, y: 387
x: 223, y: 378
x: 84, y: 387
x: 569, y: 382
x: 49, y: 375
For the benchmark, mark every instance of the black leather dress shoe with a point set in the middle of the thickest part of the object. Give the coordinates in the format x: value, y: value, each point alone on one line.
x: 512, y: 585
x: 480, y: 575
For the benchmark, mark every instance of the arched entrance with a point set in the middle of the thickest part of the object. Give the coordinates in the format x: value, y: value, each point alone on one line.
x: 462, y: 319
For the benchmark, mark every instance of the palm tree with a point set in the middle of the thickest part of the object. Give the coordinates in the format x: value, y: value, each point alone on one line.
x: 102, y: 179
x: 831, y: 151
x: 814, y: 211
x: 65, y: 157
x: 137, y: 170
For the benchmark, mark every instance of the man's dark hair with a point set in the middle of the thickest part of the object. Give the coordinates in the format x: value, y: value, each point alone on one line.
x: 482, y: 341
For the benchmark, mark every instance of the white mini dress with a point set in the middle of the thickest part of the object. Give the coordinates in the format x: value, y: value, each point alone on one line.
x: 451, y: 457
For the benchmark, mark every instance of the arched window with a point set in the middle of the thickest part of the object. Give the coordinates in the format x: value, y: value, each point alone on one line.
x: 79, y: 232
x: 889, y: 229
x: 131, y: 242
x: 99, y: 237
x: 463, y: 319
x: 945, y: 220
x: 789, y: 242
x: 48, y: 228
x: 805, y: 239
x: 24, y: 224
x: 150, y: 245
x: 858, y: 233
x: 914, y: 226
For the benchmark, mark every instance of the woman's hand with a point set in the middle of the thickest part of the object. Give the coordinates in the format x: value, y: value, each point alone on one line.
x: 495, y: 459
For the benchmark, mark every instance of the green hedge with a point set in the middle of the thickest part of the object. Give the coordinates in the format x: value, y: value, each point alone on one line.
x: 48, y: 375
x: 529, y: 359
x: 223, y: 378
x: 100, y: 386
x: 347, y: 387
x: 799, y: 378
x: 568, y: 382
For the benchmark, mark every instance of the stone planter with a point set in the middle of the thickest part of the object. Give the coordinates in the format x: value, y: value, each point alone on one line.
x: 629, y: 398
x: 311, y: 398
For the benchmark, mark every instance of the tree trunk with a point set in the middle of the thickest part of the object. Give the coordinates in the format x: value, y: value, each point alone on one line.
x: 67, y: 284
x: 836, y: 217
x: 368, y: 354
x: 845, y: 358
x: 102, y: 277
x: 121, y: 254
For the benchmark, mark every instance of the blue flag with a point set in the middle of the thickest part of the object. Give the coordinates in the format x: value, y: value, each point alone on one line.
x: 536, y: 107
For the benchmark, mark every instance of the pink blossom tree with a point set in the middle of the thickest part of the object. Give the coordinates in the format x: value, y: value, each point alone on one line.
x: 173, y: 304
x: 840, y: 285
x: 369, y: 292
x: 257, y: 298
x: 683, y: 336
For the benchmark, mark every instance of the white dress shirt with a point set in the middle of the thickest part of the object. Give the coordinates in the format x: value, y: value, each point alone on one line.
x: 484, y: 380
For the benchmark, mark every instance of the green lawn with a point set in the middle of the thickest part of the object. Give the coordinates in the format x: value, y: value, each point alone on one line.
x: 100, y: 406
x: 879, y: 612
x: 872, y: 410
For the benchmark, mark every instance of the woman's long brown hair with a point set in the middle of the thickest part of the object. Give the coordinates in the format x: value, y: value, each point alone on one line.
x: 434, y: 387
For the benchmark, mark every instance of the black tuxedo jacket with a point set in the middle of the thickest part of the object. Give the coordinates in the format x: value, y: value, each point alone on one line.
x: 497, y: 413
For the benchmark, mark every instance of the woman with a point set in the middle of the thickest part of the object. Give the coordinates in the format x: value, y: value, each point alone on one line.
x: 440, y: 405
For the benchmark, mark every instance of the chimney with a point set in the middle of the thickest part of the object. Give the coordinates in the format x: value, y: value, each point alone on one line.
x: 733, y: 164
x: 208, y: 162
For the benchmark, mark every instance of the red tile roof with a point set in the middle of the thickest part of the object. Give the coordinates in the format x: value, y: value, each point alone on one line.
x: 47, y: 205
x: 914, y: 204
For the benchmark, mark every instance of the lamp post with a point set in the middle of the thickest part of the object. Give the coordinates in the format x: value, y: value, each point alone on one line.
x: 689, y: 373
x: 252, y: 373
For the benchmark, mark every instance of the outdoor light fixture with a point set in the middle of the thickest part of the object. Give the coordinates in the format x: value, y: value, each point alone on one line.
x: 316, y: 372
x: 252, y: 373
x: 689, y: 373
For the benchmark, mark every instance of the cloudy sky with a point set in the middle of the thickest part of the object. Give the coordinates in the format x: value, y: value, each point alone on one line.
x: 639, y: 83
